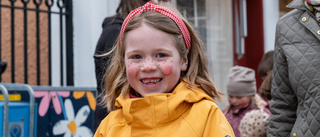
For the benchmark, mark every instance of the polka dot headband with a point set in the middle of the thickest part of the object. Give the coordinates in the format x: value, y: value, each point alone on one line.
x: 165, y: 11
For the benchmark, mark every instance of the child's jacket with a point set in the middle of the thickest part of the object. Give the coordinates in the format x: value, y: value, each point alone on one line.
x: 182, y: 113
x: 234, y: 117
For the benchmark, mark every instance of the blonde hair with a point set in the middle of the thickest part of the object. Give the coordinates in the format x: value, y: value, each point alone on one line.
x: 196, y: 74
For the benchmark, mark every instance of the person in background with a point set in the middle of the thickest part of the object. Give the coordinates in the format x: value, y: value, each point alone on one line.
x: 111, y: 28
x: 266, y: 64
x: 265, y: 72
x: 242, y: 97
x: 295, y: 89
x: 254, y: 124
x: 158, y: 83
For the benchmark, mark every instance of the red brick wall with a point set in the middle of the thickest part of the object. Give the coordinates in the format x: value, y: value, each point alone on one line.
x: 19, y: 44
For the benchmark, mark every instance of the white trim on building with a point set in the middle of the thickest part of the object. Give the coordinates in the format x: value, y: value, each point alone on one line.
x: 270, y: 18
x: 220, y: 43
x: 87, y: 20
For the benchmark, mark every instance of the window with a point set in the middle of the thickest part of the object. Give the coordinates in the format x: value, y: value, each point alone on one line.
x: 195, y: 12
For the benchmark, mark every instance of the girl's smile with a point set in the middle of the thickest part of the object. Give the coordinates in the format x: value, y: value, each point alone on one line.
x: 153, y: 63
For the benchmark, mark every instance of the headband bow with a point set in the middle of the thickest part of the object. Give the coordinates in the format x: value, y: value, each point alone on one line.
x: 165, y: 11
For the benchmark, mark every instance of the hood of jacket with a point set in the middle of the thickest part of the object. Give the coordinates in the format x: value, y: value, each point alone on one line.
x: 162, y: 107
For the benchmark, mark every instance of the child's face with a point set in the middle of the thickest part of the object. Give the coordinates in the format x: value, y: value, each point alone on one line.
x: 238, y: 101
x: 153, y: 63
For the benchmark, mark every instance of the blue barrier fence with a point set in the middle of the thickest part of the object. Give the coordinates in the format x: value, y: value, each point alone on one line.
x: 47, y: 111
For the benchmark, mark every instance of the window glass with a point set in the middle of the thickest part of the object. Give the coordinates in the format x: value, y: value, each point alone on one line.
x: 195, y: 12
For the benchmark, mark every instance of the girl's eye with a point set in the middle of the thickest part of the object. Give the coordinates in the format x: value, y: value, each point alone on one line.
x: 136, y: 57
x: 161, y: 55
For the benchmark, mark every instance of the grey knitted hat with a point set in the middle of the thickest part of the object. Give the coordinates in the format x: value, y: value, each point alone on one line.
x: 242, y: 81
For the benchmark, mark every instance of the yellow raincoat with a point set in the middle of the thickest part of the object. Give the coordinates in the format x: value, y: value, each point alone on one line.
x: 182, y: 113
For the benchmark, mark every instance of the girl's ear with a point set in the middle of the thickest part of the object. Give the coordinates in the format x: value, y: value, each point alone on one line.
x: 184, y: 63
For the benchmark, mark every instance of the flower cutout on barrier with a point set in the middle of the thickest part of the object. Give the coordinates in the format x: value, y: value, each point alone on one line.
x: 47, y: 96
x: 91, y: 99
x: 71, y: 125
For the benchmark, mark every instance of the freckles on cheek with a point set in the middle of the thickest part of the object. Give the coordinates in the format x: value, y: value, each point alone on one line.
x: 132, y: 70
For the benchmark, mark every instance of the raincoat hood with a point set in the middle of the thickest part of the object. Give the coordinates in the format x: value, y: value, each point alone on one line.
x: 171, y: 106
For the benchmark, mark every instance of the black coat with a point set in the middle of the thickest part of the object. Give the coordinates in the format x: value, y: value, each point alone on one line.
x: 111, y: 29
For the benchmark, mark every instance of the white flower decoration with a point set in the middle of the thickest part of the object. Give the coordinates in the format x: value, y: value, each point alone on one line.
x: 71, y: 127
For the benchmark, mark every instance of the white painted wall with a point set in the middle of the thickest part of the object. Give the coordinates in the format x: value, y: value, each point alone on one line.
x: 87, y: 20
x: 220, y: 43
x: 55, y: 48
x: 270, y: 18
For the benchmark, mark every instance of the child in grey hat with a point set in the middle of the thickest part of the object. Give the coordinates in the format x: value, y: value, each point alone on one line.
x: 241, y: 89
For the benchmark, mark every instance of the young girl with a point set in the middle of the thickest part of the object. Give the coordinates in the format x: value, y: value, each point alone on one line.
x: 242, y: 97
x: 158, y: 83
x: 111, y: 28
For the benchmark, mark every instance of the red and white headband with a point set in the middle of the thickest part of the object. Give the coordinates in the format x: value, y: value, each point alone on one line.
x: 165, y: 11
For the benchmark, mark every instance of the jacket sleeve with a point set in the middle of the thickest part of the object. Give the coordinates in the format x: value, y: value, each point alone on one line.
x: 283, y: 104
x: 103, y: 128
x: 217, y: 125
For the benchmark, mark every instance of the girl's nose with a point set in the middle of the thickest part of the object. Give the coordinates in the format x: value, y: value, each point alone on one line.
x: 148, y: 65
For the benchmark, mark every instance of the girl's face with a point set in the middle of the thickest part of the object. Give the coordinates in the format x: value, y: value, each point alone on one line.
x: 238, y: 101
x: 153, y: 63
